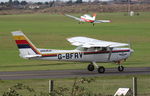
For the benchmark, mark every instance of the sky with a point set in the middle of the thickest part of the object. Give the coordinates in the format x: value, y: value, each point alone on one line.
x: 43, y: 0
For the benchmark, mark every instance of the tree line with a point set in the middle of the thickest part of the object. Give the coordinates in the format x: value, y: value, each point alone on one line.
x: 23, y: 3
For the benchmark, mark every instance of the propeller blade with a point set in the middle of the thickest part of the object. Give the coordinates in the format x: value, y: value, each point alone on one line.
x: 130, y: 46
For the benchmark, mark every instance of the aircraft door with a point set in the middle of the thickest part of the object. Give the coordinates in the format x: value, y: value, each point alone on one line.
x: 101, y: 54
x: 89, y: 54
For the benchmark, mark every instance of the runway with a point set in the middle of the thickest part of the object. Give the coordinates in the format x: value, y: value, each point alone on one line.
x: 43, y: 74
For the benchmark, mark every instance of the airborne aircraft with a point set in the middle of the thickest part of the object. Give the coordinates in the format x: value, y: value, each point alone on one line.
x: 88, y: 18
x: 88, y: 50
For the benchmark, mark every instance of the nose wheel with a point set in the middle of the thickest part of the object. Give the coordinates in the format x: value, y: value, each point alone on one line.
x: 120, y: 68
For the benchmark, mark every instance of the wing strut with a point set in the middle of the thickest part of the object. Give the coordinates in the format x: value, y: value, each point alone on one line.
x: 110, y: 52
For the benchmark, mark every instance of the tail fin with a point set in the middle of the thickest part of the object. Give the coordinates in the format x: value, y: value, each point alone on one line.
x: 94, y: 16
x: 26, y: 48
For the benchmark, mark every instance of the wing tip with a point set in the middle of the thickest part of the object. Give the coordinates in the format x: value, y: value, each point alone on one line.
x: 17, y: 33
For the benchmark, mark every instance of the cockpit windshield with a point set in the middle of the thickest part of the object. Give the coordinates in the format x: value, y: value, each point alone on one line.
x: 87, y: 15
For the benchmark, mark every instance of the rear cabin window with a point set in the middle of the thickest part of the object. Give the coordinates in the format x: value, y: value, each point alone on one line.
x: 96, y: 49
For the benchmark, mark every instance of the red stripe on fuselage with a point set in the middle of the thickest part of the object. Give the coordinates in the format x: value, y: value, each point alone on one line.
x: 106, y: 51
x: 49, y: 55
x: 22, y: 42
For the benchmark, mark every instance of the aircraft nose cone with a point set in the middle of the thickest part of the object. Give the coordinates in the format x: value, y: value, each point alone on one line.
x: 131, y: 50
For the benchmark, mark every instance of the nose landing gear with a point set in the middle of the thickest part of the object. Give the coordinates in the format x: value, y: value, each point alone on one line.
x: 120, y: 67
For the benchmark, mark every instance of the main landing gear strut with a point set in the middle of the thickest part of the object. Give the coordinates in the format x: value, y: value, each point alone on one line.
x: 101, y: 69
x: 92, y: 66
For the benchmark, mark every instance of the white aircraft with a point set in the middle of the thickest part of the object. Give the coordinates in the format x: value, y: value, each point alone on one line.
x: 88, y: 50
x: 88, y: 18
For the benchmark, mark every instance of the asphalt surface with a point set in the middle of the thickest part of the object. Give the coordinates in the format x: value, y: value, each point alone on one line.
x: 18, y: 75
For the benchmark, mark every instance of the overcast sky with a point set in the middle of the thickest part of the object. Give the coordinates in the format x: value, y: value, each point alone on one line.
x: 26, y: 0
x: 44, y: 0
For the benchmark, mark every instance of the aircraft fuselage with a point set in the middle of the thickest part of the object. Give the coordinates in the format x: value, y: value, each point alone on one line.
x: 117, y: 54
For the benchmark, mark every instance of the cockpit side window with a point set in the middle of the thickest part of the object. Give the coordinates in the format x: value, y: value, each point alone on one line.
x: 85, y: 49
x: 90, y: 49
x: 95, y: 49
x: 98, y: 48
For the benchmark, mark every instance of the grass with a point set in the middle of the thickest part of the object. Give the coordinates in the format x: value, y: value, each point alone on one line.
x: 51, y: 31
x: 106, y: 85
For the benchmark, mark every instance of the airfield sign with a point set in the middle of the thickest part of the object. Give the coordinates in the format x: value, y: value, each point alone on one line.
x: 122, y: 92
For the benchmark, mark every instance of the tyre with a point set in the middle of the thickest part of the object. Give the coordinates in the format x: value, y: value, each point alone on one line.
x: 120, y: 68
x: 101, y: 69
x: 90, y: 67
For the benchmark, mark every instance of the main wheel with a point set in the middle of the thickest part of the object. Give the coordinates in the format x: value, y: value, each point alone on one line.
x: 120, y: 68
x: 90, y: 67
x: 101, y: 69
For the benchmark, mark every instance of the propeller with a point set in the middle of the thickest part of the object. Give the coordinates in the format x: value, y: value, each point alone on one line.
x: 130, y: 46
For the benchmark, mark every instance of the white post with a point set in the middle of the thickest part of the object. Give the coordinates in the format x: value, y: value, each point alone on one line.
x: 129, y: 6
x: 51, y: 85
x: 134, y: 86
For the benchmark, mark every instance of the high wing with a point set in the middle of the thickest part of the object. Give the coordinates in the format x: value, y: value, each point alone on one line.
x: 90, y: 42
x: 101, y: 21
x: 76, y: 18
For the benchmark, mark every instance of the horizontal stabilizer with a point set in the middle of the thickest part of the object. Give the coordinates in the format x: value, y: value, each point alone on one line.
x: 31, y: 56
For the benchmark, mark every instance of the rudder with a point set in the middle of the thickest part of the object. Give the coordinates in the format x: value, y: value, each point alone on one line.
x: 94, y: 16
x: 24, y: 45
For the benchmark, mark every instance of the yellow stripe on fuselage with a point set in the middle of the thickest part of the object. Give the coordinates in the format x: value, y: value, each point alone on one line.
x: 19, y: 37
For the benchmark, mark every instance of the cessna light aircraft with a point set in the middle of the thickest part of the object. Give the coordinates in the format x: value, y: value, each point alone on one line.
x: 88, y: 50
x: 88, y: 18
